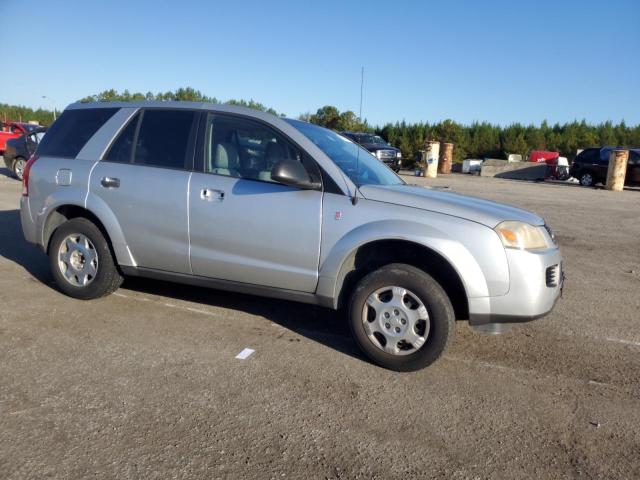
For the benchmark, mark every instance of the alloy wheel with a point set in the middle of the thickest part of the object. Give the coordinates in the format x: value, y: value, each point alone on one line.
x: 18, y: 167
x: 78, y: 260
x: 586, y: 180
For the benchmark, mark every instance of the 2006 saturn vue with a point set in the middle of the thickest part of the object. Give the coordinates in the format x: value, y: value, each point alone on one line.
x: 242, y: 200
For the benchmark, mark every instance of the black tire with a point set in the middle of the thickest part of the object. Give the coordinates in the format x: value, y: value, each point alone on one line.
x: 587, y: 179
x: 429, y: 292
x: 107, y: 278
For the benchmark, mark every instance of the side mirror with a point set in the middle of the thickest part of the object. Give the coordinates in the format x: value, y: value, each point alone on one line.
x: 293, y: 173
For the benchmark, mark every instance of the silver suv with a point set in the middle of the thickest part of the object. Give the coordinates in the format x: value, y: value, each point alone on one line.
x: 242, y: 200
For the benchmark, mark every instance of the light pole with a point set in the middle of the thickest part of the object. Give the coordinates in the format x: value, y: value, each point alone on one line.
x: 54, y: 105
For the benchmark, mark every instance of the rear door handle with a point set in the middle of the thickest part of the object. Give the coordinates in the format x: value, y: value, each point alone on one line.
x: 110, y: 182
x: 212, y: 195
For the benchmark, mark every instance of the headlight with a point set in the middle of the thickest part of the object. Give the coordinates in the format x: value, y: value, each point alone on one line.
x: 399, y: 155
x: 524, y: 236
x: 376, y: 154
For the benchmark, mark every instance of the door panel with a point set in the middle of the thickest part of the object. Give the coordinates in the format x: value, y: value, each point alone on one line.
x: 254, y: 232
x: 150, y: 204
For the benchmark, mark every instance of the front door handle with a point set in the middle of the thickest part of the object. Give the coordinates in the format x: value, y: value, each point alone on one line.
x: 211, y: 195
x: 110, y: 182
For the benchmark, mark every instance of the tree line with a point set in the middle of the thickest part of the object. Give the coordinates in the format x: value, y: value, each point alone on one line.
x: 483, y: 139
x: 477, y: 140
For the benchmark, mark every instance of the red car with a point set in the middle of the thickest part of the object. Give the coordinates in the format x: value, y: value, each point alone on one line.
x: 13, y: 130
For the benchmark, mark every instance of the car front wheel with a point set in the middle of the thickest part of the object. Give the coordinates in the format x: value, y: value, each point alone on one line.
x: 81, y: 260
x: 401, y: 317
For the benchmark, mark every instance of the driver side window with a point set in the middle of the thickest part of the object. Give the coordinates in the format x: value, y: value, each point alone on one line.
x: 242, y: 148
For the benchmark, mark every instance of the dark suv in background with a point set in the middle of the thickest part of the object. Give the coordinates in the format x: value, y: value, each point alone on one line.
x: 590, y: 166
x: 380, y: 149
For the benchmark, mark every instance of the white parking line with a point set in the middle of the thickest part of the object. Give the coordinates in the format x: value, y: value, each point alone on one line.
x: 202, y: 312
x: 624, y: 342
x: 601, y: 384
x: 170, y: 305
x: 521, y: 371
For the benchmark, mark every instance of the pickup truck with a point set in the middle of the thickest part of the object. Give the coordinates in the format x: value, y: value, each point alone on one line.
x: 378, y: 147
x: 241, y: 200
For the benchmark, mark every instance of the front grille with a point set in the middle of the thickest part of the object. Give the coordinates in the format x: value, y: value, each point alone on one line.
x: 553, y: 276
x: 387, y: 153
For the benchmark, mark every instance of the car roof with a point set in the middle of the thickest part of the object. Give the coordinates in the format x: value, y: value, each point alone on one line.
x: 220, y: 107
x: 279, y: 122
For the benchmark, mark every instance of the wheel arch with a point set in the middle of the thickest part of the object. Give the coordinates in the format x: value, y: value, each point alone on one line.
x: 374, y: 254
x: 68, y: 211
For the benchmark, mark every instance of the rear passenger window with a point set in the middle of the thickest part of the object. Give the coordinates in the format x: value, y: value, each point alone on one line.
x: 72, y: 130
x: 163, y: 138
x: 121, y: 149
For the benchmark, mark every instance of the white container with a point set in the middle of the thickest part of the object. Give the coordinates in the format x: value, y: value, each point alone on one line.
x: 471, y: 165
x: 433, y: 154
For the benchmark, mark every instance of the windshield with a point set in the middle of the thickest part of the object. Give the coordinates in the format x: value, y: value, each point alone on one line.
x: 371, y: 139
x: 356, y: 162
x: 29, y: 127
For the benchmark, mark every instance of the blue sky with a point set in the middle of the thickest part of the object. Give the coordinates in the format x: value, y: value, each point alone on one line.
x: 500, y: 61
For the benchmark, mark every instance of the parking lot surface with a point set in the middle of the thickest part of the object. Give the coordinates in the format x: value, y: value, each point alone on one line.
x: 145, y: 383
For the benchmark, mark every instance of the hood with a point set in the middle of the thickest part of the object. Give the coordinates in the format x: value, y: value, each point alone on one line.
x: 478, y: 210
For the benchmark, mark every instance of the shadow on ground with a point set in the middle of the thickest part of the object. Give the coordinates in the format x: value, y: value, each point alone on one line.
x: 5, y: 171
x: 13, y: 247
x: 319, y: 324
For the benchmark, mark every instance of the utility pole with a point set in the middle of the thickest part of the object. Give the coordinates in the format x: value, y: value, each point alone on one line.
x: 54, y: 105
x: 361, y: 88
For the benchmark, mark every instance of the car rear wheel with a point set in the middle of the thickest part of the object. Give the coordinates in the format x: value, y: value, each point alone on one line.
x: 401, y: 317
x: 586, y: 179
x: 18, y: 167
x: 81, y: 260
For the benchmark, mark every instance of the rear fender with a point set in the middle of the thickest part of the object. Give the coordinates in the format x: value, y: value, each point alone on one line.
x: 97, y: 207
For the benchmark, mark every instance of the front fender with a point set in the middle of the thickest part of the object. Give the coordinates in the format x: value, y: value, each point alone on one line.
x: 434, y: 237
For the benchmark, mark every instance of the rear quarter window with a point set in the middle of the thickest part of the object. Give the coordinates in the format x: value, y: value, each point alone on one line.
x: 72, y: 130
x: 590, y: 155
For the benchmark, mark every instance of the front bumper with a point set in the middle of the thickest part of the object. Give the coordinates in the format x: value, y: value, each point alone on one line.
x: 536, y: 280
x: 392, y: 162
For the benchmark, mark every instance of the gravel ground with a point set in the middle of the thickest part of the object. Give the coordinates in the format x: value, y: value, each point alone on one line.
x: 144, y: 383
